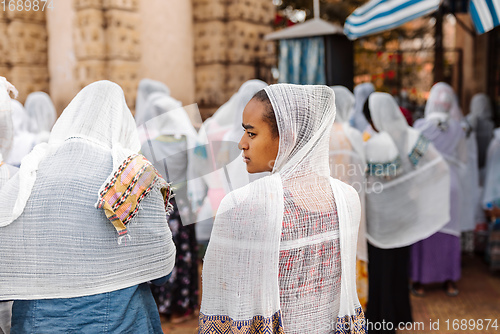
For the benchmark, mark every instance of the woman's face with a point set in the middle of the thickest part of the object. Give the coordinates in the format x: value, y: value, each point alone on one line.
x: 259, y: 147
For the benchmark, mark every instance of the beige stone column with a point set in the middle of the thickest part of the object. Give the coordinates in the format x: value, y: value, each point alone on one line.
x: 23, y: 49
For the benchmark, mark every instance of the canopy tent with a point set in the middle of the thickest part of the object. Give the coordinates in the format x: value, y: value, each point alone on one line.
x: 379, y: 15
x: 485, y: 14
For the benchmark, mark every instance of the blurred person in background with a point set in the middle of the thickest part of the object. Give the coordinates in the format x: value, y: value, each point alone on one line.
x: 348, y: 164
x: 77, y: 248
x: 437, y: 259
x: 146, y: 87
x: 217, y: 157
x: 491, y: 200
x: 407, y: 200
x: 170, y: 146
x: 24, y: 139
x: 42, y: 113
x: 358, y: 119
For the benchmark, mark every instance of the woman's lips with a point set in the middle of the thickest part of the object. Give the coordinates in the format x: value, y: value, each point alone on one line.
x: 246, y: 159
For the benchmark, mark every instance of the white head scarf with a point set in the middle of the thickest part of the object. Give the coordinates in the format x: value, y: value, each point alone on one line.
x: 6, y: 131
x: 408, y: 180
x: 447, y: 135
x: 168, y: 118
x: 115, y: 130
x: 347, y: 157
x: 443, y: 100
x: 146, y: 88
x: 361, y: 93
x: 241, y: 282
x: 41, y: 110
x: 6, y: 126
x: 50, y: 226
x: 491, y: 196
x: 24, y: 139
x: 480, y: 118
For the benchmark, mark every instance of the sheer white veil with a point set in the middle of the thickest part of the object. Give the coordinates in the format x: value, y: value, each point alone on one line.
x: 240, y: 275
x: 147, y: 87
x: 361, y: 93
x: 6, y: 126
x: 41, y: 110
x: 491, y: 196
x: 408, y: 180
x: 49, y: 223
x: 114, y: 130
x: 349, y: 166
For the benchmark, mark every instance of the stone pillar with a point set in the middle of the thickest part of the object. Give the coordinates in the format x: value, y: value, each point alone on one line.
x: 229, y: 40
x: 23, y: 49
x: 106, y: 43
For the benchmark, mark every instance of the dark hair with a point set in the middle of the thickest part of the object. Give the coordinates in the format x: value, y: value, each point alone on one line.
x: 269, y: 116
x: 366, y: 110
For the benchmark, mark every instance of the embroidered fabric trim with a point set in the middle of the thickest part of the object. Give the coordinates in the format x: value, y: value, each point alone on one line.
x: 222, y: 324
x: 418, y: 150
x: 354, y: 324
x: 121, y: 196
x: 384, y: 169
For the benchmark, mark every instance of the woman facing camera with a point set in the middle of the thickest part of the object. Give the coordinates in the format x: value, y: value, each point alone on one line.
x: 83, y: 225
x: 282, y: 254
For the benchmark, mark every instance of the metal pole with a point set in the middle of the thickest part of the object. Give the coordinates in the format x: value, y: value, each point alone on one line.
x: 316, y: 9
x: 438, y: 48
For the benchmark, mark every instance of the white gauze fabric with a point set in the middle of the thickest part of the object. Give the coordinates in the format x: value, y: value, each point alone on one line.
x: 448, y: 137
x: 442, y: 98
x: 480, y: 118
x: 347, y: 157
x: 167, y: 117
x: 51, y: 228
x: 24, y: 140
x: 263, y: 258
x: 235, y: 169
x: 42, y: 113
x: 407, y: 193
x: 491, y: 196
x: 6, y: 126
x: 361, y: 93
x: 147, y: 87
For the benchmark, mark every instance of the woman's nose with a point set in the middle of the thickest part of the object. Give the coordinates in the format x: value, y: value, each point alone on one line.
x: 241, y: 145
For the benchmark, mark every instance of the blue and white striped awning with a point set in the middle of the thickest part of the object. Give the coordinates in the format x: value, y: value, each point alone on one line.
x: 380, y: 15
x: 485, y: 14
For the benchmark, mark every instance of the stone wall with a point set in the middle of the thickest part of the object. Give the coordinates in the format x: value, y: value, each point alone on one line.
x: 229, y: 39
x: 23, y: 50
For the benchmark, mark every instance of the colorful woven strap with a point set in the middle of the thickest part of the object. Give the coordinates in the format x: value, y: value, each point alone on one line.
x: 120, y: 198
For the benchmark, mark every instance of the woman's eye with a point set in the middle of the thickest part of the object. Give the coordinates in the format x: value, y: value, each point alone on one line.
x: 251, y: 134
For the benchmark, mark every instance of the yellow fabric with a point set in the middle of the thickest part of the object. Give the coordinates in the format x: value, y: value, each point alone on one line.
x: 362, y: 282
x: 366, y: 136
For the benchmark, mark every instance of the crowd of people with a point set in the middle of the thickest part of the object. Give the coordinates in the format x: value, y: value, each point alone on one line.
x: 309, y: 205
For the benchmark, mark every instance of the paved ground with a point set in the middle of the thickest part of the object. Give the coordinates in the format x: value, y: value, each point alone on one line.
x: 479, y: 299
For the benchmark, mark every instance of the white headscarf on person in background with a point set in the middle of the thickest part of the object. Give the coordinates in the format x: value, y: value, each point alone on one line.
x: 42, y: 114
x: 408, y: 180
